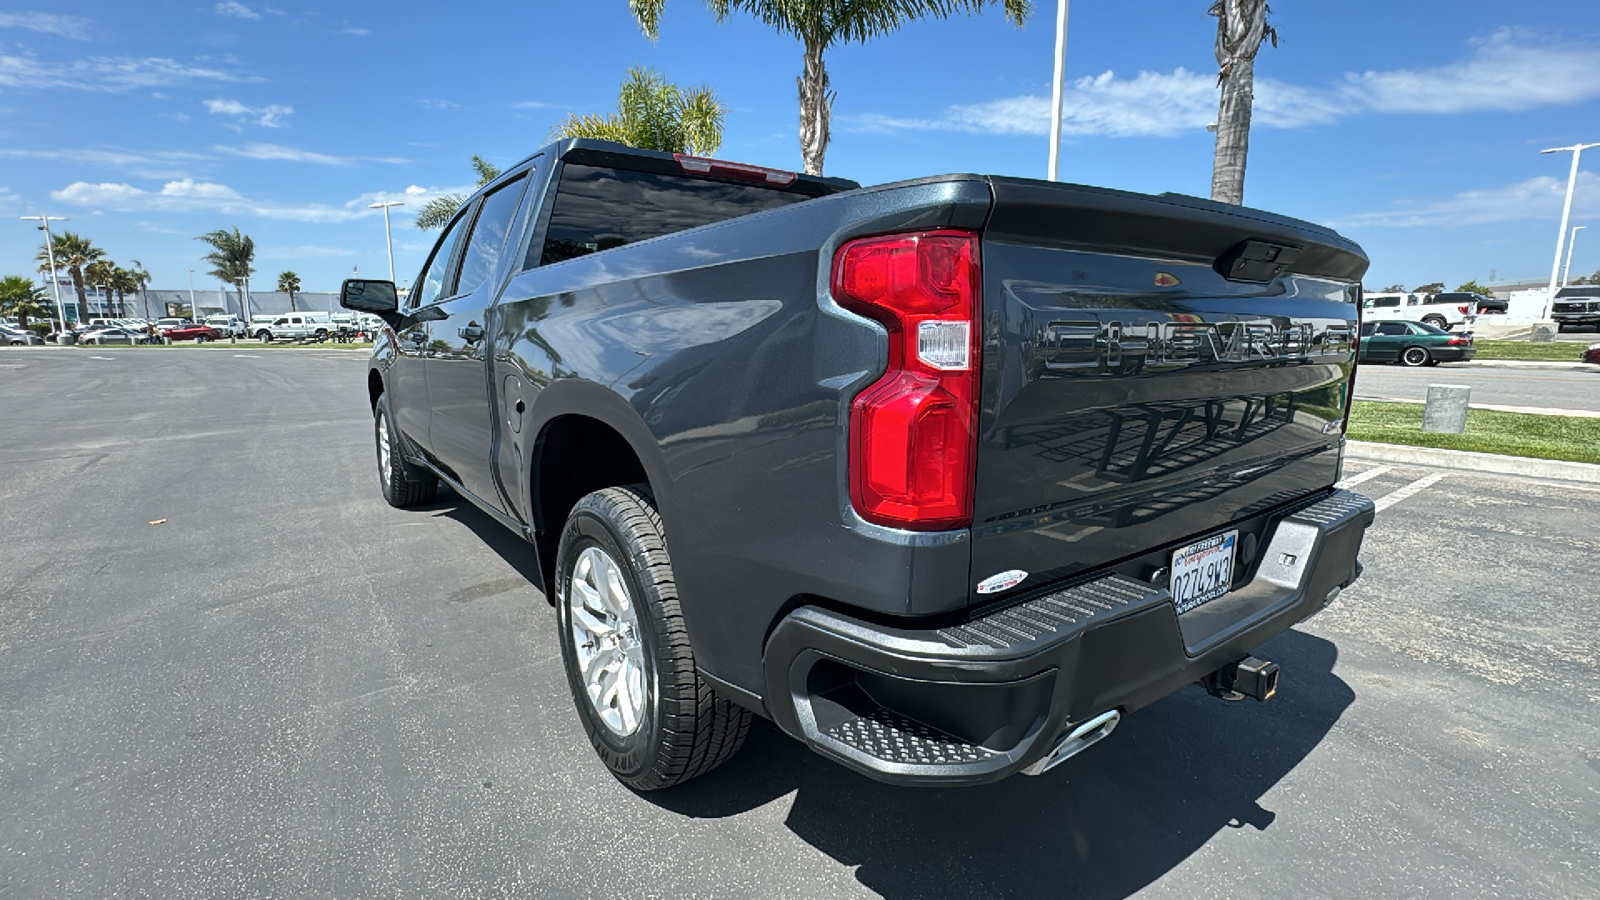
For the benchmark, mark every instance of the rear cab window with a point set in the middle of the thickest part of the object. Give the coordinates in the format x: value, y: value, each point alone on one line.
x: 600, y: 206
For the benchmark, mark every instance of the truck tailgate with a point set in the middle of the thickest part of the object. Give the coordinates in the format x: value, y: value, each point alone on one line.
x: 1133, y: 397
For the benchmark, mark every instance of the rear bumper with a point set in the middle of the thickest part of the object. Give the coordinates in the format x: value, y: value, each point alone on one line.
x: 1454, y: 354
x: 977, y: 701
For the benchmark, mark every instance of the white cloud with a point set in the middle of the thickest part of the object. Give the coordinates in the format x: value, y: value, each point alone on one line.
x: 107, y: 73
x: 437, y: 104
x: 537, y: 104
x: 1535, y: 198
x: 188, y: 195
x: 269, y: 116
x: 74, y: 27
x: 10, y: 202
x: 278, y: 152
x: 236, y: 10
x: 1507, y: 71
x: 355, y: 32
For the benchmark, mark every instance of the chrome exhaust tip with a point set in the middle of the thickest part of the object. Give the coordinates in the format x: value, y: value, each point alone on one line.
x: 1077, y: 740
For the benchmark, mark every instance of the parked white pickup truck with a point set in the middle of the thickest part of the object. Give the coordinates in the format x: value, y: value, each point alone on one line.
x: 294, y: 326
x: 1384, y: 307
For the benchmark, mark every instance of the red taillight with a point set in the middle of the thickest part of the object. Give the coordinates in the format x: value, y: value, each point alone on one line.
x: 1458, y: 342
x: 1464, y: 309
x: 913, y: 432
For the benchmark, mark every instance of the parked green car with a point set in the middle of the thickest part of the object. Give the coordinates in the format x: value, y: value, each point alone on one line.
x: 1413, y: 344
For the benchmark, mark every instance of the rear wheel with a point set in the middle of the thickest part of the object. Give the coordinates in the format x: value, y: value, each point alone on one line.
x: 1437, y: 322
x: 1415, y: 356
x: 403, y: 484
x: 650, y: 717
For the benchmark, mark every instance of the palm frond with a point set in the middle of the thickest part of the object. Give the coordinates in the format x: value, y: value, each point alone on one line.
x: 648, y: 14
x: 487, y: 171
x: 701, y: 115
x: 436, y: 213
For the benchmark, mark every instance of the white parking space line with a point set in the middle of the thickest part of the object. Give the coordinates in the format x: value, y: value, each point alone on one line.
x: 244, y: 356
x: 1368, y: 475
x: 107, y: 358
x: 1415, y: 487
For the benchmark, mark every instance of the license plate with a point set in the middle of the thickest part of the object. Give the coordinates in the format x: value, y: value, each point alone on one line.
x: 1203, y: 571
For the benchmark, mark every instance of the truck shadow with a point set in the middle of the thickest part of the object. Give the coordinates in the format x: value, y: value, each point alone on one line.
x: 1104, y: 824
x: 506, y: 544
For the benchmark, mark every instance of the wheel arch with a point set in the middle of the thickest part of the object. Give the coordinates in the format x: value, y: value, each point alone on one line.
x: 586, y: 438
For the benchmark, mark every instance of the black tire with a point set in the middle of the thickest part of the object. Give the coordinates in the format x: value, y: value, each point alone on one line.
x: 1415, y: 356
x: 1437, y: 322
x: 402, y: 483
x: 199, y: 339
x: 264, y: 337
x: 685, y: 730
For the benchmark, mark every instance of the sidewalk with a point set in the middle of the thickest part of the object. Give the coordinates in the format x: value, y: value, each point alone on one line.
x: 1528, y: 364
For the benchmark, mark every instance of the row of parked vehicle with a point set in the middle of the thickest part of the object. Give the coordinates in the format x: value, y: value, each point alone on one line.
x: 173, y: 329
x: 1446, y: 310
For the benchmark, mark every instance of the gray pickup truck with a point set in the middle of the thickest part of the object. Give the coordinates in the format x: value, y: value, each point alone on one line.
x: 943, y: 476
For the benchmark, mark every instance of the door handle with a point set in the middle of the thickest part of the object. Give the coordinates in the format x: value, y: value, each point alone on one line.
x: 417, y: 336
x: 471, y: 333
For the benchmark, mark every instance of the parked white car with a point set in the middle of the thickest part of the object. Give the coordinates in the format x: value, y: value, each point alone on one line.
x: 1384, y: 307
x: 294, y: 326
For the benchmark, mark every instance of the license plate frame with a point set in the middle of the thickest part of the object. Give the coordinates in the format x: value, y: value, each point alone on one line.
x: 1203, y: 571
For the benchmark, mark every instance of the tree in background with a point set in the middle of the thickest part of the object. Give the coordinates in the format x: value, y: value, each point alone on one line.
x: 98, y: 275
x: 20, y: 297
x: 1395, y: 289
x: 820, y: 25
x: 654, y: 114
x: 142, y: 277
x: 73, y: 253
x: 1474, y: 287
x: 436, y: 213
x: 231, y: 257
x: 1241, y: 30
x: 1432, y: 287
x: 1587, y: 279
x: 124, y: 282
x: 289, y: 283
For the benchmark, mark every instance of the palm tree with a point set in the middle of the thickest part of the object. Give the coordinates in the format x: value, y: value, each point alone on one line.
x: 143, y: 278
x: 438, y: 211
x: 20, y: 297
x: 98, y: 275
x: 72, y: 252
x: 1241, y: 30
x: 654, y: 114
x: 230, y: 258
x: 124, y: 281
x: 289, y: 283
x: 821, y: 24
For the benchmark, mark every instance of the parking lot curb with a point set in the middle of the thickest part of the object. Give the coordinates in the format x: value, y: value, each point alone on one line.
x: 1495, y: 463
x: 1531, y: 364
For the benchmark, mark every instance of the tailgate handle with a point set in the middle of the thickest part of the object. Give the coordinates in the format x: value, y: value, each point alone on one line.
x: 1255, y: 260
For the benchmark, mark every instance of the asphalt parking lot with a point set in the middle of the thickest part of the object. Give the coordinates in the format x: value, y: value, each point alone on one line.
x: 287, y: 688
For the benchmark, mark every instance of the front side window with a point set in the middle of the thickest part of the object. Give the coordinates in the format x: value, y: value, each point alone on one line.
x: 1366, y: 329
x: 488, y: 236
x: 432, y: 283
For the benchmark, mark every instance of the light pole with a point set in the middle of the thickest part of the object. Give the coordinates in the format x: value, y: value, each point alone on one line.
x: 388, y: 237
x: 1057, y: 89
x: 191, y: 294
x: 1572, y: 241
x: 50, y: 254
x: 1566, y: 213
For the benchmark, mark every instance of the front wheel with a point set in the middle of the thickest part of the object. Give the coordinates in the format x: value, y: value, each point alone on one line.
x: 653, y: 721
x: 1415, y: 356
x: 402, y: 483
x: 200, y: 339
x: 264, y: 337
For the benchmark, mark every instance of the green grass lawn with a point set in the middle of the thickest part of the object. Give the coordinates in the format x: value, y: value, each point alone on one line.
x: 1572, y: 438
x: 1561, y: 351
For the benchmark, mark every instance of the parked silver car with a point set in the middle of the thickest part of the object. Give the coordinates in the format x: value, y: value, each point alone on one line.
x: 18, y: 337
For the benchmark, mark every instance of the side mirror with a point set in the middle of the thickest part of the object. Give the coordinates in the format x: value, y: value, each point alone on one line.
x: 369, y: 296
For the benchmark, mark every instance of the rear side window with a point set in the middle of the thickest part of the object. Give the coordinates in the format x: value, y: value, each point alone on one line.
x: 1393, y: 328
x: 488, y: 236
x: 598, y: 208
x: 1384, y: 302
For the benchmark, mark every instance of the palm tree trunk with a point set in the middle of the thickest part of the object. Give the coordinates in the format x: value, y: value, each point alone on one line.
x: 816, y: 108
x: 291, y: 301
x: 1233, y: 133
x: 83, y: 298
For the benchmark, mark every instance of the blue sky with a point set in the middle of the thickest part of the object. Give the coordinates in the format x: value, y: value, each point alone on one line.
x: 1414, y: 128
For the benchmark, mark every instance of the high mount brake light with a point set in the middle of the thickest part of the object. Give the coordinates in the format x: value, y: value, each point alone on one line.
x: 738, y: 171
x: 913, y: 432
